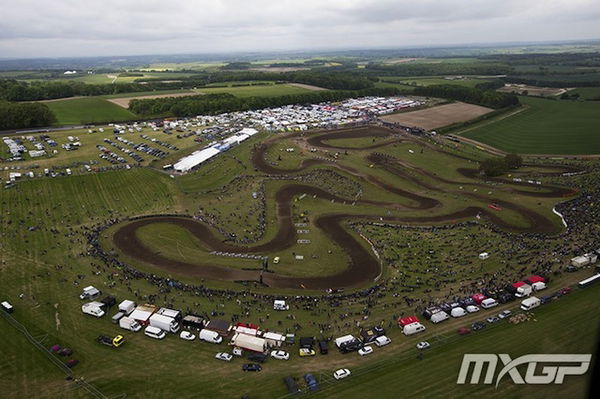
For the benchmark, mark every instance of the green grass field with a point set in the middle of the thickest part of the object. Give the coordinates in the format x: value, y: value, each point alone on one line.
x: 586, y: 93
x: 258, y: 91
x: 44, y: 264
x: 88, y: 110
x: 544, y: 127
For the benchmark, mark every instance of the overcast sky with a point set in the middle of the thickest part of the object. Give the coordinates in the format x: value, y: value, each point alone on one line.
x: 54, y: 28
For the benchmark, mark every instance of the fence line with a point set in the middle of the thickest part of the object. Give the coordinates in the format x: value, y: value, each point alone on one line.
x: 37, y: 343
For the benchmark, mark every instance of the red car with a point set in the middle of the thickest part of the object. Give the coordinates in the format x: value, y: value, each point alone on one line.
x: 463, y: 331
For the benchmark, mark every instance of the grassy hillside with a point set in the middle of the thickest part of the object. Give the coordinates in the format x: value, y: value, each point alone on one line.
x: 87, y: 110
x: 544, y: 127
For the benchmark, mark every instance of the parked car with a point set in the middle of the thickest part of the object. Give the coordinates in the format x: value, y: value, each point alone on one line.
x: 251, y: 367
x: 504, y: 314
x: 323, y: 347
x: 341, y: 374
x: 303, y: 352
x: 472, y: 309
x: 478, y: 325
x: 311, y: 381
x: 367, y: 350
x: 463, y: 331
x: 280, y: 355
x: 186, y: 335
x: 423, y: 345
x: 224, y: 356
x: 382, y: 341
x: 257, y: 357
x: 492, y: 319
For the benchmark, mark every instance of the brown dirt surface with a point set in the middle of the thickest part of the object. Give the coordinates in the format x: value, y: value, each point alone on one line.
x: 533, y: 90
x: 363, y: 266
x: 124, y: 102
x: 439, y: 116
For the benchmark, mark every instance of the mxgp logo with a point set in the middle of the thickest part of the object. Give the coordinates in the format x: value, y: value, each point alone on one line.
x: 578, y: 364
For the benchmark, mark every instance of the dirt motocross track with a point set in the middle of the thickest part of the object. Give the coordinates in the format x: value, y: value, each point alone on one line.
x: 363, y: 266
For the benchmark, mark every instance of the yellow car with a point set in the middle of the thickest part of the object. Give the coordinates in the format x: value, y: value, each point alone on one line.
x: 118, y: 341
x: 306, y: 352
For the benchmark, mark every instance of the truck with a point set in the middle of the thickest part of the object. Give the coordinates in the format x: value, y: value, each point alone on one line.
x: 523, y: 291
x: 95, y: 309
x: 210, y: 336
x: 90, y: 292
x: 530, y: 303
x: 127, y: 306
x: 279, y: 304
x: 165, y: 323
x: 172, y: 313
x: 130, y: 324
x: 142, y: 314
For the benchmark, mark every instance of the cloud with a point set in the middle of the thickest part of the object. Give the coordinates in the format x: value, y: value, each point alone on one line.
x: 113, y: 27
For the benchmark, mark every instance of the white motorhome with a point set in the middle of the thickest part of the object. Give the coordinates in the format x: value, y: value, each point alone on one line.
x: 530, y: 303
x: 382, y: 341
x: 413, y: 328
x: 89, y: 292
x: 458, y: 312
x: 438, y: 317
x: 93, y: 309
x: 164, y: 323
x: 523, y: 291
x: 280, y: 304
x: 210, y: 336
x: 488, y: 303
x: 154, y: 332
x: 130, y: 324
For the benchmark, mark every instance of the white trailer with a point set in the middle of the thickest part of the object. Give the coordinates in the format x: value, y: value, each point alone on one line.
x: 130, y: 324
x: 248, y: 342
x: 165, y: 323
x: 280, y: 304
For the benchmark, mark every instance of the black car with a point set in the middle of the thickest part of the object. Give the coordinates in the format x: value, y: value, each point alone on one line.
x: 257, y: 357
x: 323, y: 347
x: 104, y: 340
x: 292, y: 385
x: 351, y: 346
x: 479, y: 325
x: 251, y: 367
x: 307, y: 342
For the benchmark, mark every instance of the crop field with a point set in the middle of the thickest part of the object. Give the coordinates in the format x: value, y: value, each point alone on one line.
x: 258, y: 91
x: 390, y: 220
x: 438, y: 116
x: 82, y: 110
x: 544, y: 127
x: 434, y: 80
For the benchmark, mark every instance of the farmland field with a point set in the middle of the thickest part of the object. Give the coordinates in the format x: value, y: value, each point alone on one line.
x: 438, y: 116
x: 83, y: 110
x: 544, y: 127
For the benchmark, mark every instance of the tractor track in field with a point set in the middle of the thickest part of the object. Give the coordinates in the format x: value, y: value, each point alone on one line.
x: 363, y: 266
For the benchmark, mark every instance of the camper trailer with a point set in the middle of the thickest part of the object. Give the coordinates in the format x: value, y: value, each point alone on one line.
x: 413, y: 328
x: 530, y: 303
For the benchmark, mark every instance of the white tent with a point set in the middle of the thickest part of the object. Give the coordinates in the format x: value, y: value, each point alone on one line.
x: 187, y: 163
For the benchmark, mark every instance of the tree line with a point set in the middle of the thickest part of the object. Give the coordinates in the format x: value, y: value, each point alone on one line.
x: 486, y: 98
x: 24, y: 115
x: 435, y: 69
x: 14, y: 90
x: 212, y: 104
x: 498, y: 166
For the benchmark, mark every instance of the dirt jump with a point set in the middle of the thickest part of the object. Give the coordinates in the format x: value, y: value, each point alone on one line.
x: 363, y: 266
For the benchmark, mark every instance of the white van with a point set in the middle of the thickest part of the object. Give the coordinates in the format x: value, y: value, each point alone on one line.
x: 530, y: 303
x: 538, y: 286
x: 489, y: 303
x: 341, y: 340
x: 438, y: 317
x: 382, y: 341
x: 413, y: 328
x: 154, y: 332
x: 210, y: 336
